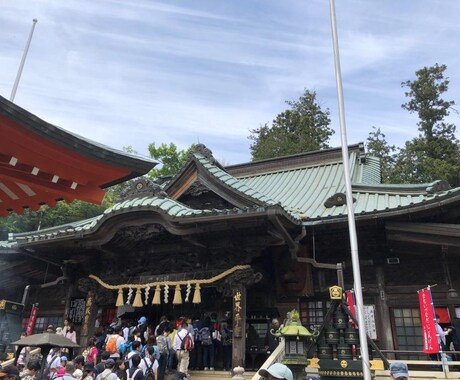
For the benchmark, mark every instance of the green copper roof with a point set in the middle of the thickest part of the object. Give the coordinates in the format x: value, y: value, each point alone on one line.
x: 172, y: 210
x: 297, y: 187
x: 233, y: 183
x: 303, y: 191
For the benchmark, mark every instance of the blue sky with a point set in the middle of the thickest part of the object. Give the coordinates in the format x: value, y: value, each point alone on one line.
x: 134, y: 72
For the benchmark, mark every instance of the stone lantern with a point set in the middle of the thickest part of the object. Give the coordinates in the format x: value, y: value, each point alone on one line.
x: 296, y: 339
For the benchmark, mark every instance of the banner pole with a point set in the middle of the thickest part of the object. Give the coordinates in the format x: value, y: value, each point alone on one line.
x: 438, y: 337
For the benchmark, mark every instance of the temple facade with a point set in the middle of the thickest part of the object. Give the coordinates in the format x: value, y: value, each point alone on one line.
x: 253, y: 241
x: 248, y: 242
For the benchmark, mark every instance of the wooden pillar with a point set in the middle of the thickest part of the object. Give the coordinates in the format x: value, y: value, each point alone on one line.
x: 87, y: 326
x: 70, y: 288
x: 239, y: 325
x: 386, y: 336
x: 236, y: 285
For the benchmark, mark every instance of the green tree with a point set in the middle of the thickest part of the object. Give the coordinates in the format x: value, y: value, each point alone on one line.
x: 170, y: 158
x: 47, y: 216
x: 303, y: 127
x: 378, y: 146
x: 434, y: 154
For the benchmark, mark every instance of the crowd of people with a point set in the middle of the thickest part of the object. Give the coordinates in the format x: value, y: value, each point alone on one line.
x: 136, y: 350
x: 139, y: 350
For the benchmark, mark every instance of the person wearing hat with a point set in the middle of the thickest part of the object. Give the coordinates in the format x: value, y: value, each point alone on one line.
x: 61, y: 370
x: 142, y: 327
x: 107, y: 373
x: 399, y: 371
x: 69, y: 369
x: 9, y: 373
x: 277, y: 371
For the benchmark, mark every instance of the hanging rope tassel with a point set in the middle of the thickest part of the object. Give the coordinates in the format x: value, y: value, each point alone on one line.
x: 138, y: 298
x: 119, y: 298
x: 157, y: 296
x: 197, y: 294
x: 177, y: 296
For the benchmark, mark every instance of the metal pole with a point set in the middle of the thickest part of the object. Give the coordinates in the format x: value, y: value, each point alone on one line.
x: 23, y: 60
x: 349, y: 195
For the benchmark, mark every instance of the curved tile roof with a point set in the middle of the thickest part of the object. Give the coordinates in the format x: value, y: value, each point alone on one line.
x: 303, y: 191
x: 298, y: 193
x: 209, y: 167
x: 165, y: 206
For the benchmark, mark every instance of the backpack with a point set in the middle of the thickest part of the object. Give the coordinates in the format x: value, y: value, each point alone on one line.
x: 47, y: 371
x: 142, y: 354
x: 131, y: 333
x: 205, y: 334
x: 111, y: 346
x: 196, y: 334
x: 125, y: 349
x: 149, y: 374
x: 186, y: 343
x: 216, y: 335
x: 133, y: 376
x: 228, y: 339
x: 162, y: 345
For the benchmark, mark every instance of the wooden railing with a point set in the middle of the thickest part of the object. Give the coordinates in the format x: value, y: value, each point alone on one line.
x: 445, y: 367
x: 35, y: 351
x: 418, y: 369
x: 275, y: 357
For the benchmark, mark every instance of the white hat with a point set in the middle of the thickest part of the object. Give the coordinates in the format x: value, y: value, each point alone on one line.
x: 278, y: 370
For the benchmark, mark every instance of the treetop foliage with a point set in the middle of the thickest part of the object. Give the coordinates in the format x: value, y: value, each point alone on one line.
x: 171, y: 159
x: 303, y: 127
x: 434, y: 154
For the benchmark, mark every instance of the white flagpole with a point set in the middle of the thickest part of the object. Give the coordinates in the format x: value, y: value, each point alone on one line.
x: 23, y: 60
x: 349, y: 195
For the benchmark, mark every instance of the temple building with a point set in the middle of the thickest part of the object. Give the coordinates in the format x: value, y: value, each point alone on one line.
x: 251, y: 242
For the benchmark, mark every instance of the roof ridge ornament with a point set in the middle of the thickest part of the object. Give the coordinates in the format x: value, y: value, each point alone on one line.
x: 338, y: 199
x: 142, y: 187
x: 207, y: 153
x: 438, y: 186
x: 204, y: 150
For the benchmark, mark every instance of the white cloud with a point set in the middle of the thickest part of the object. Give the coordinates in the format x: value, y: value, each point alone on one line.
x: 133, y: 72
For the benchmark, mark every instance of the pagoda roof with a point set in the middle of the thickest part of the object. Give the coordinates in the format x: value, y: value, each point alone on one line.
x: 41, y: 163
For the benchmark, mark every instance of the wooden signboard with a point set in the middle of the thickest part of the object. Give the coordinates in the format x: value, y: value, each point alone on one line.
x: 77, y: 310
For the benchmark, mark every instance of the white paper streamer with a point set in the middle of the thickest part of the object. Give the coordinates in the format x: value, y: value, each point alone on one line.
x: 188, y: 291
x: 166, y: 293
x: 130, y: 295
x: 146, y: 294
